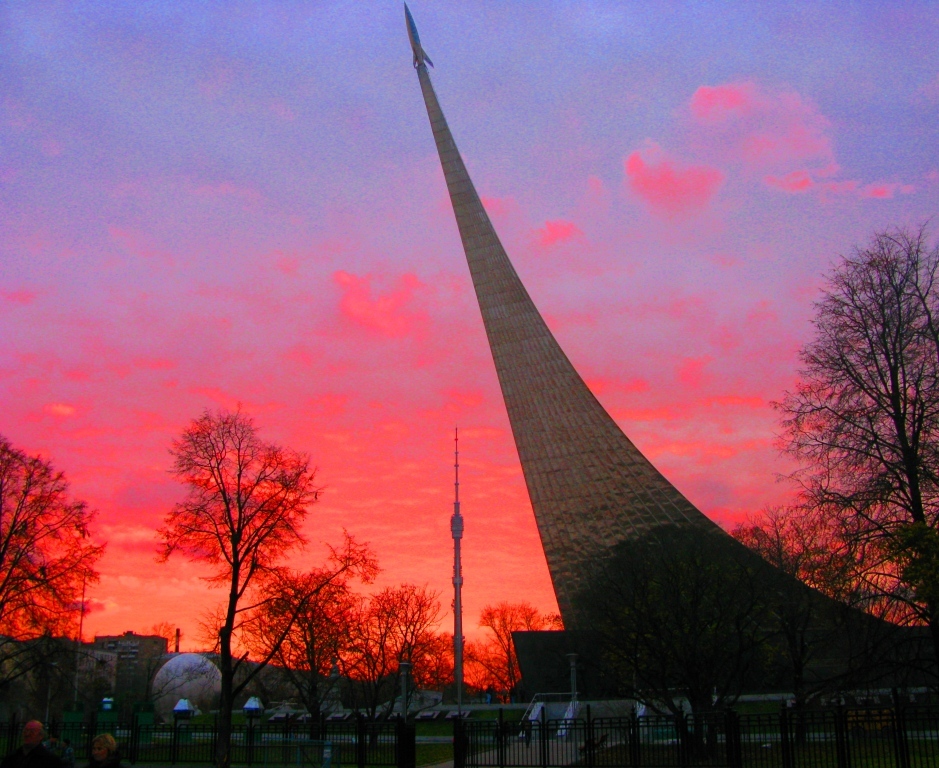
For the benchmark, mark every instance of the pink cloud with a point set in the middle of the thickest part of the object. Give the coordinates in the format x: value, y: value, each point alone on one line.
x: 554, y: 232
x: 498, y: 206
x: 155, y: 363
x: 738, y: 401
x: 20, y: 296
x: 719, y: 102
x: 287, y: 265
x: 217, y: 81
x: 227, y: 189
x: 931, y: 89
x: 691, y: 371
x: 767, y: 129
x: 724, y: 260
x: 885, y: 190
x: 61, y: 410
x: 281, y: 109
x: 388, y: 314
x: 51, y: 147
x: 795, y: 182
x: 600, y: 385
x: 139, y: 244
x: 300, y: 354
x: 847, y: 187
x: 669, y: 187
x: 798, y: 182
x: 328, y: 405
x: 465, y: 398
x: 782, y: 133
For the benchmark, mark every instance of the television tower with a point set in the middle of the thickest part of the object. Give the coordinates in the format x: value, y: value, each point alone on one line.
x: 456, y: 530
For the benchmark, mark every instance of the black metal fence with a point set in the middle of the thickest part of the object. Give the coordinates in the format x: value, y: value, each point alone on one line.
x: 837, y: 738
x: 354, y: 743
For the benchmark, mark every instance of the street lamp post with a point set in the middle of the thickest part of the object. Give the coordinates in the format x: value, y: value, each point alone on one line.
x: 405, y: 667
x: 52, y: 665
x: 252, y: 709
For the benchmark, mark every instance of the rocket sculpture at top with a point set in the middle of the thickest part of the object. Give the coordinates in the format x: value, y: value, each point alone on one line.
x: 419, y: 56
x: 590, y: 487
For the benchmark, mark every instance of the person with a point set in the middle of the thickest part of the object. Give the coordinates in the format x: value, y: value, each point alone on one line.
x: 31, y: 753
x: 104, y: 752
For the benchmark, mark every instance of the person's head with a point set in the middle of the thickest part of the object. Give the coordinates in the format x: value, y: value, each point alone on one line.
x: 103, y: 747
x: 33, y: 733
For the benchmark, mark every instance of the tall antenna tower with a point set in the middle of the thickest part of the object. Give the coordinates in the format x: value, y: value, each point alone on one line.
x: 456, y: 530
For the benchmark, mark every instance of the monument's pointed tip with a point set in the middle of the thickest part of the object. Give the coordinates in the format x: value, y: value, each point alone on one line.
x: 419, y: 56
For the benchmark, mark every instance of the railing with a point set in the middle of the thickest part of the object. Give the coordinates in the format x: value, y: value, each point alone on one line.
x: 838, y: 738
x: 355, y: 743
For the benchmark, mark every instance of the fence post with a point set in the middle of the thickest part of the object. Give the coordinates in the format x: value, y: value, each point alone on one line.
x: 589, y: 741
x: 500, y: 740
x: 900, y: 746
x: 134, y: 737
x: 732, y: 739
x: 841, y: 737
x: 681, y: 731
x: 633, y: 739
x: 92, y: 731
x: 543, y: 736
x: 410, y: 735
x: 459, y: 743
x: 214, y: 740
x: 361, y: 743
x: 785, y: 740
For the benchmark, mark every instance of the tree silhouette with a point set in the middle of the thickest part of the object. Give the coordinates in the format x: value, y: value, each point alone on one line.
x: 864, y: 419
x: 246, y: 500
x: 46, y: 558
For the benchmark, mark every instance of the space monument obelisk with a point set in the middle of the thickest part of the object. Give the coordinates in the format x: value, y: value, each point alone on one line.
x: 590, y: 487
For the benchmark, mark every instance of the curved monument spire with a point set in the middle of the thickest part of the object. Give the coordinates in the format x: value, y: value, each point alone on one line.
x: 590, y: 487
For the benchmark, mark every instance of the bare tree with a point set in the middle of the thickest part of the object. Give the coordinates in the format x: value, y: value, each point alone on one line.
x: 46, y: 558
x: 435, y: 670
x: 245, y: 504
x: 829, y: 633
x: 394, y: 625
x: 306, y: 619
x: 864, y: 419
x: 494, y: 658
x: 167, y: 630
x: 680, y: 612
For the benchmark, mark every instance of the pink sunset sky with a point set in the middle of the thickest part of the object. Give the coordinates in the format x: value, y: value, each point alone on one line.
x: 218, y: 203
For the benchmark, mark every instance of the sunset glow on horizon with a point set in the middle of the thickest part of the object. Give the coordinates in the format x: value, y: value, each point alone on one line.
x: 240, y: 204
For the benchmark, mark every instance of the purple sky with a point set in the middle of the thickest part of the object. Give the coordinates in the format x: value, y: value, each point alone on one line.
x: 210, y: 203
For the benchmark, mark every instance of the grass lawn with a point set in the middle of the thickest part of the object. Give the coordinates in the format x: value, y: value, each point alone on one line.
x: 428, y: 754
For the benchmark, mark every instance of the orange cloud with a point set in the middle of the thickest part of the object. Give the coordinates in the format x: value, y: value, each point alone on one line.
x: 60, y: 409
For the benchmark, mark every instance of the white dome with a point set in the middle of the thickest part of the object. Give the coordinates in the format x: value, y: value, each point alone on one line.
x: 186, y: 676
